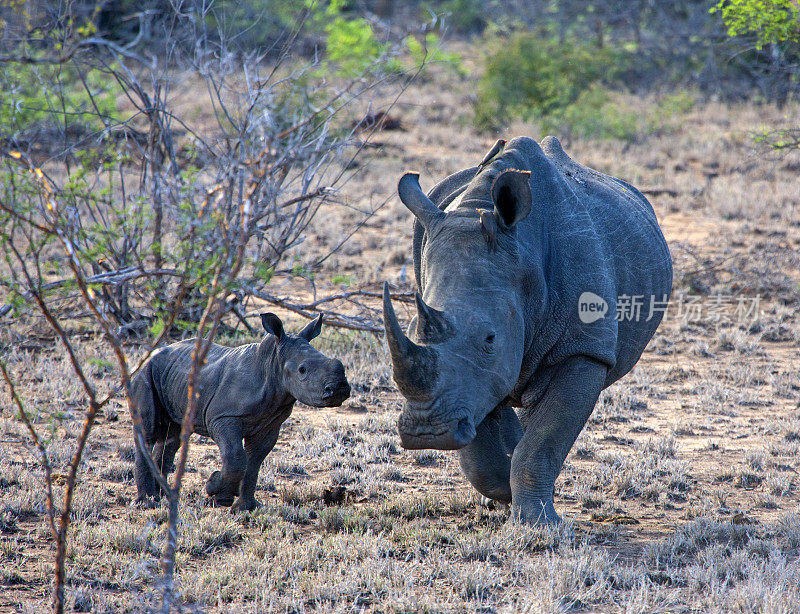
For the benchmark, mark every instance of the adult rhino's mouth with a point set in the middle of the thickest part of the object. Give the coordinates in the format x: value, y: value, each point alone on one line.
x: 439, y: 435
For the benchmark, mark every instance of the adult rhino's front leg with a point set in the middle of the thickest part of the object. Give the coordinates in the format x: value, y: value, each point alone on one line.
x: 486, y: 460
x: 551, y: 426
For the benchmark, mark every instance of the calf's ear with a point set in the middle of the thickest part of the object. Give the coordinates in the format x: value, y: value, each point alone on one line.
x: 511, y: 194
x: 312, y: 329
x: 272, y: 324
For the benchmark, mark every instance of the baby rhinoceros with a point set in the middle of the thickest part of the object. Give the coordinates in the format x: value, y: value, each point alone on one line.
x: 246, y: 393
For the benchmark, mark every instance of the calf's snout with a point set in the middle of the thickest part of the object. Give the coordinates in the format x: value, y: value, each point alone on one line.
x: 338, y: 368
x: 336, y: 388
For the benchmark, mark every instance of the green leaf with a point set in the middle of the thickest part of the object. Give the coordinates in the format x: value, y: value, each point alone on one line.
x: 342, y: 280
x: 157, y: 327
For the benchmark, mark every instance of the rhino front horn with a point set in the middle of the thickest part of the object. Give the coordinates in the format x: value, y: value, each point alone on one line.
x: 417, y: 202
x: 413, y: 366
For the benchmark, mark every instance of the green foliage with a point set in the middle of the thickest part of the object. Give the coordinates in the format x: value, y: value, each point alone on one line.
x: 594, y: 114
x: 47, y: 95
x: 350, y: 42
x: 342, y: 280
x: 255, y: 23
x: 298, y: 270
x: 668, y: 111
x: 782, y: 139
x: 157, y: 327
x: 16, y: 301
x: 263, y: 271
x: 676, y: 104
x: 466, y: 16
x: 530, y: 77
x: 771, y: 21
x: 101, y: 363
x: 352, y: 46
x: 431, y: 51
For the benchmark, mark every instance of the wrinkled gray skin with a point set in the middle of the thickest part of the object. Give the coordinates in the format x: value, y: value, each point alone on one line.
x: 502, y: 253
x: 246, y: 393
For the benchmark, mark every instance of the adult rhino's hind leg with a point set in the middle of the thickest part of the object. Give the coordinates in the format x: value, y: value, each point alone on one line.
x: 486, y: 460
x: 551, y: 427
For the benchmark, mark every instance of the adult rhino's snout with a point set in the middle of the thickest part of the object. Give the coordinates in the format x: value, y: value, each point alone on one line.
x: 414, y: 367
x: 426, y: 422
x: 423, y: 432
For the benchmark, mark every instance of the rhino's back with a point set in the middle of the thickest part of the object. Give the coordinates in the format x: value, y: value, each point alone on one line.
x: 170, y: 371
x: 633, y: 252
x: 599, y: 235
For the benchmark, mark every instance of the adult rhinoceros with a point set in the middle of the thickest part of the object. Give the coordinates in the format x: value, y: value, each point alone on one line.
x: 522, y: 263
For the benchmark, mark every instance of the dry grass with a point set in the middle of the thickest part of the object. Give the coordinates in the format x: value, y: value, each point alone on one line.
x: 681, y: 494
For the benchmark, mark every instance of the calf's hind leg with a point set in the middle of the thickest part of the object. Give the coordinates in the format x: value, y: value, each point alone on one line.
x: 165, y: 450
x: 143, y: 398
x: 486, y: 460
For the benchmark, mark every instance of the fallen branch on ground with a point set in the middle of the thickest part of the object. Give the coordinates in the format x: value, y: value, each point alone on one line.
x: 111, y: 278
x: 659, y: 191
x: 332, y: 318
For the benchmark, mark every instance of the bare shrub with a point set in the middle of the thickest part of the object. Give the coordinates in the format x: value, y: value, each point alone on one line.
x: 144, y: 223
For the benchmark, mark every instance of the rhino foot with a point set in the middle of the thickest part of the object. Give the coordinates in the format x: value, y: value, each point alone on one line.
x: 493, y: 504
x: 220, y: 500
x: 242, y: 505
x: 145, y: 503
x: 214, y: 483
x: 535, y: 513
x: 217, y: 491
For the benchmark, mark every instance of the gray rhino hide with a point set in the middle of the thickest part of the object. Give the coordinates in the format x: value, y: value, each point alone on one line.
x: 586, y: 232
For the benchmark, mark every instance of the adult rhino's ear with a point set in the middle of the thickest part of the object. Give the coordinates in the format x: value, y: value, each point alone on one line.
x: 312, y: 329
x: 272, y: 324
x: 511, y: 194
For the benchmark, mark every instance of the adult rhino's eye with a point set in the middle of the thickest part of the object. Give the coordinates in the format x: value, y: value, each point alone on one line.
x: 490, y: 338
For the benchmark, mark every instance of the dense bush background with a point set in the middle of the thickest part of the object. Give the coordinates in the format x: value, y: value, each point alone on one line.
x: 552, y: 61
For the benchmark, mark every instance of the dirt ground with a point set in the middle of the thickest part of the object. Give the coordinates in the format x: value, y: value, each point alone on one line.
x: 682, y: 493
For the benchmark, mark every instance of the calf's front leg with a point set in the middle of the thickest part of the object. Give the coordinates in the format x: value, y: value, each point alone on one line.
x: 257, y: 448
x: 551, y: 426
x: 224, y: 485
x: 143, y: 398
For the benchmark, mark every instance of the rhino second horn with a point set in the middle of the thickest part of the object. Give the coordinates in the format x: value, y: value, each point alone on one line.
x: 417, y: 202
x: 432, y: 325
x: 413, y: 366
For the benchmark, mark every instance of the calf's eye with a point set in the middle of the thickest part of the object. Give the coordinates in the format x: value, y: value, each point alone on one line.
x: 302, y: 369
